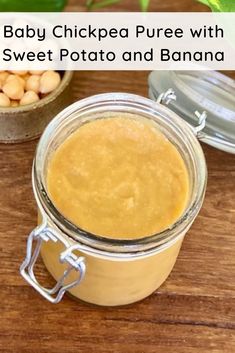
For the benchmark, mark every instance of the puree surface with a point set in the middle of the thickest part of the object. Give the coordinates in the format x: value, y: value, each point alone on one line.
x: 118, y: 177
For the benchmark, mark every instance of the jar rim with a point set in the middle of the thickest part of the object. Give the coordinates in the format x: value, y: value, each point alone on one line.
x: 103, y: 244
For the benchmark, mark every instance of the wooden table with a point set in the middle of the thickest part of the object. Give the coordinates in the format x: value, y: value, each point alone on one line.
x: 192, y: 312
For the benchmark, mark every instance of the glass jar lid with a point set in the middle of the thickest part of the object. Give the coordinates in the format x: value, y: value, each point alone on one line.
x: 208, y: 91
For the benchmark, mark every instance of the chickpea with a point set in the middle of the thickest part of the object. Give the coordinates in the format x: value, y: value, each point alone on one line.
x: 25, y: 77
x: 14, y: 83
x: 36, y: 72
x: 16, y: 77
x: 29, y: 97
x: 4, y: 100
x: 3, y: 76
x: 19, y: 72
x: 33, y: 83
x: 13, y: 89
x: 49, y: 81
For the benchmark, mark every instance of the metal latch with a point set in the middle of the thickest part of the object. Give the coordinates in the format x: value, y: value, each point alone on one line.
x: 74, y: 262
x: 169, y: 95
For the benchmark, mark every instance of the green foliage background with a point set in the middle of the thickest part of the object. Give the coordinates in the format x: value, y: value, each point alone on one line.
x: 58, y: 5
x: 220, y: 5
x: 32, y: 5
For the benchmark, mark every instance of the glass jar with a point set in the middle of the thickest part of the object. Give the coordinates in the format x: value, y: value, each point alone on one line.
x: 96, y: 269
x: 197, y: 91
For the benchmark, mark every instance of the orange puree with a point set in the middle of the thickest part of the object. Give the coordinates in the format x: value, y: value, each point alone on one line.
x: 119, y: 177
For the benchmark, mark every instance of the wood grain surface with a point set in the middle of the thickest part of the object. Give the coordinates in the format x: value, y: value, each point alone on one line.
x: 192, y: 312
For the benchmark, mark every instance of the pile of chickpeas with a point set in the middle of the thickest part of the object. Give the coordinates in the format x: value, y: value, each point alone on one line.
x: 19, y: 88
